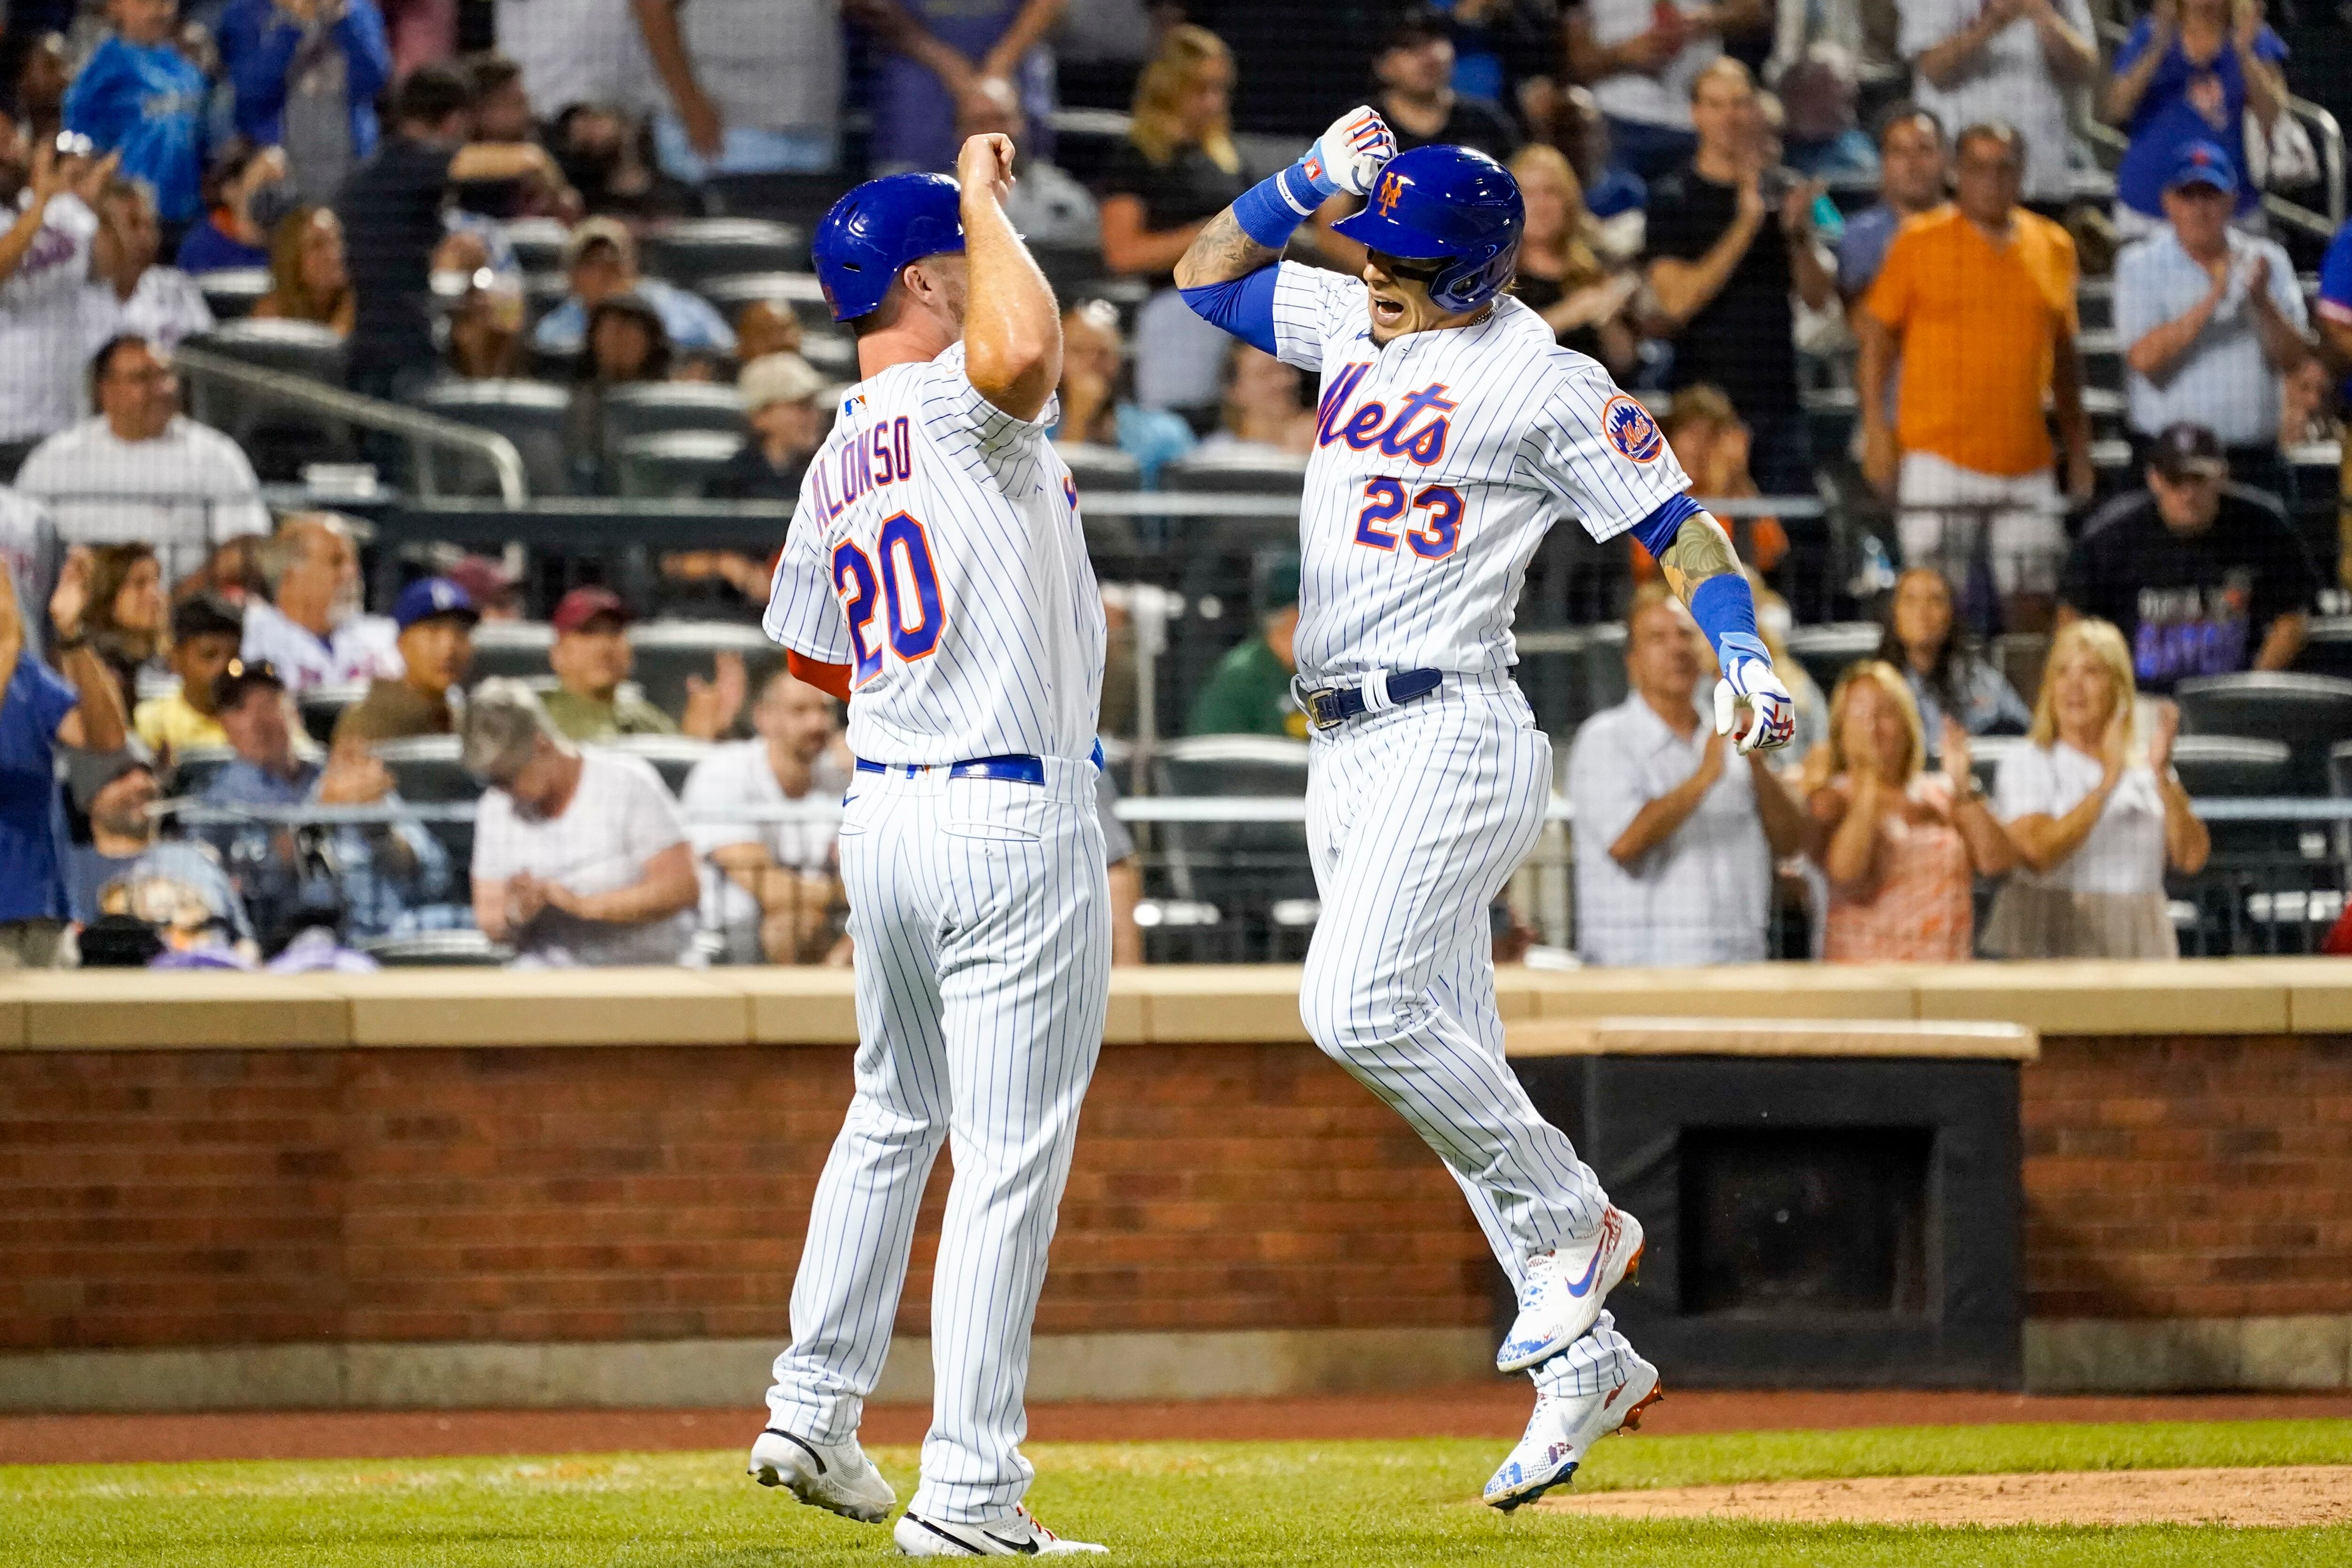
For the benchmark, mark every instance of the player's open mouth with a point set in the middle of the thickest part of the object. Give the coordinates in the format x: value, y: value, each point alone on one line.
x: 1386, y: 311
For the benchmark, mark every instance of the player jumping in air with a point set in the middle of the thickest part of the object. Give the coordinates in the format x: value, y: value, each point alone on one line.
x: 1453, y: 432
x: 936, y: 566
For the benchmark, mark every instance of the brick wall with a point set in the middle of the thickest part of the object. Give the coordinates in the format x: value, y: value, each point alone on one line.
x: 2196, y: 1177
x: 209, y: 1197
x: 215, y: 1197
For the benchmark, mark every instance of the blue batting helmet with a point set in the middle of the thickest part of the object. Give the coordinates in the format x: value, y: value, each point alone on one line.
x: 1449, y: 205
x: 876, y: 229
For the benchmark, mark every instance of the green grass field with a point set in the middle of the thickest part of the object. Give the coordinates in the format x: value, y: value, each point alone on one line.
x: 1269, y: 1504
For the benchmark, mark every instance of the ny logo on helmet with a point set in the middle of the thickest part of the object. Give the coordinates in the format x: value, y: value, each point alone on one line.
x: 1391, y: 191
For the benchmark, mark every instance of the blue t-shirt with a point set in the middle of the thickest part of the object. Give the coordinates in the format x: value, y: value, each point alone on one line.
x: 208, y: 249
x: 1618, y: 190
x: 148, y: 100
x: 32, y: 878
x: 2185, y: 103
x: 2336, y: 284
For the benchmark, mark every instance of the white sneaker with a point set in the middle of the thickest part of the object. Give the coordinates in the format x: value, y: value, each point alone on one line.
x: 836, y: 1477
x: 1562, y: 1429
x: 1565, y: 1288
x: 1014, y: 1535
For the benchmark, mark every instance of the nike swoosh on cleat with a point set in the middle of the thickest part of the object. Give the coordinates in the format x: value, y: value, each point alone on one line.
x: 1026, y: 1547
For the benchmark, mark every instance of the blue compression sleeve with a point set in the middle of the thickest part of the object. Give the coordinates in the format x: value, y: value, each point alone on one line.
x: 1243, y: 306
x: 1726, y: 611
x: 1270, y: 210
x: 1657, y: 531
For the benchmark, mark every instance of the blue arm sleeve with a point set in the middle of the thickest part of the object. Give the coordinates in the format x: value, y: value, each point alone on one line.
x: 1657, y: 531
x: 1243, y: 306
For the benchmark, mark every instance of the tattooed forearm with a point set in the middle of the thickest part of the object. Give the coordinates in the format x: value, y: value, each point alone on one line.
x: 1700, y: 549
x: 1222, y: 253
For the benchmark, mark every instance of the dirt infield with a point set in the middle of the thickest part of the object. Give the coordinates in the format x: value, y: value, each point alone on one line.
x: 2282, y: 1495
x: 1492, y: 1408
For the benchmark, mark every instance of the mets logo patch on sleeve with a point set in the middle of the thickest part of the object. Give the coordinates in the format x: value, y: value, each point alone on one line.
x: 1631, y: 431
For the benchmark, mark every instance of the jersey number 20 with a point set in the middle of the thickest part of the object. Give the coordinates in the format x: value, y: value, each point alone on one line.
x: 907, y: 589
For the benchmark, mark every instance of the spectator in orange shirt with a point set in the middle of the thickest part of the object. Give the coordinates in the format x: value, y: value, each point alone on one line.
x: 1978, y: 298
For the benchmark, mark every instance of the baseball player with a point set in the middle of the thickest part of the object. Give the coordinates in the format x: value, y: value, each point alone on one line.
x: 1452, y: 432
x: 935, y: 577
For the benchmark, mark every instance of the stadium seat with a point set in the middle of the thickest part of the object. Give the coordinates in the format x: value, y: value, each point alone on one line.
x: 649, y: 407
x: 193, y: 767
x: 667, y: 651
x: 2094, y: 301
x: 730, y: 292
x: 674, y: 465
x: 1283, y: 477
x: 425, y: 770
x: 673, y: 756
x: 1987, y: 753
x: 1069, y: 269
x: 516, y: 648
x: 232, y: 293
x: 1245, y: 869
x: 530, y: 414
x: 2213, y: 767
x: 1826, y: 650
x: 833, y: 356
x: 2310, y: 713
x: 297, y: 348
x: 321, y: 705
x: 538, y: 243
x: 462, y: 949
x: 694, y: 249
x: 801, y: 200
x: 2329, y: 651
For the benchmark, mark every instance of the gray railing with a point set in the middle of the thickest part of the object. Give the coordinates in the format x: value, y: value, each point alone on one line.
x: 206, y: 371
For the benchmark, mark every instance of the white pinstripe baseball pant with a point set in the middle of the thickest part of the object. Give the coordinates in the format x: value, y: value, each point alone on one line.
x: 1416, y: 817
x: 982, y: 923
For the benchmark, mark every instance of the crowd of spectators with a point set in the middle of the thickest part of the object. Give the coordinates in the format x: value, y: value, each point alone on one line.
x: 1742, y: 210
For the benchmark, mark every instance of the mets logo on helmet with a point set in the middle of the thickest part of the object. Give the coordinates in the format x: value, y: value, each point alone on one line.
x: 1628, y: 427
x: 1391, y: 191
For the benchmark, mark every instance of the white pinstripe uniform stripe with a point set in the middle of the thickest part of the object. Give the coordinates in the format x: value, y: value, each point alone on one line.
x: 1418, y: 814
x: 979, y: 907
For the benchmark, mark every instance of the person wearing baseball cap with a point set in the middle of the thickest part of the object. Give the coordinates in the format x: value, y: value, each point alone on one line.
x: 491, y: 586
x: 2212, y: 323
x: 437, y: 618
x: 592, y: 659
x: 128, y: 868
x: 780, y: 402
x: 2202, y: 576
x: 600, y: 259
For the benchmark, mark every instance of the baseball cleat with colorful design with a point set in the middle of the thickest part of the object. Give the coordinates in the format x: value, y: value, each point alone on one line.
x: 1565, y: 1288
x: 1564, y: 1428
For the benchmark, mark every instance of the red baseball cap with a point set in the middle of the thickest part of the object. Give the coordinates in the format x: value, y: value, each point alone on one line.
x: 581, y: 606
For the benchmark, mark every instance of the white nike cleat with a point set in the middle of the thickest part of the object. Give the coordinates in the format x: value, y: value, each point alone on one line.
x: 1565, y: 1288
x: 1014, y: 1535
x: 1562, y: 1429
x: 835, y: 1476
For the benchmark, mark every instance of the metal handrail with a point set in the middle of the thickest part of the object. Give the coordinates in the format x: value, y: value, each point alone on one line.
x: 2323, y: 226
x: 422, y: 431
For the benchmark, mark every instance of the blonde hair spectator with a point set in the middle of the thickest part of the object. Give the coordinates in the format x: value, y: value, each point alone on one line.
x: 2095, y: 818
x: 1163, y: 121
x: 307, y: 278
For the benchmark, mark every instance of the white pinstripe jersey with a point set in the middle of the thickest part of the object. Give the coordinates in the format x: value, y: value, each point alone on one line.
x: 937, y: 550
x: 1441, y: 459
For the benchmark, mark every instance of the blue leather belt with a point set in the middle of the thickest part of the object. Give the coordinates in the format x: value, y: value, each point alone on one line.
x: 1329, y: 707
x: 1019, y: 767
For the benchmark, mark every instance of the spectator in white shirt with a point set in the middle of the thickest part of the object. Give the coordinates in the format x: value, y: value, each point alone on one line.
x: 1046, y: 205
x: 580, y: 858
x: 574, y: 51
x: 2011, y: 61
x: 141, y: 469
x: 44, y: 260
x: 1675, y: 839
x: 771, y: 888
x: 2095, y: 818
x: 127, y: 292
x: 311, y: 626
